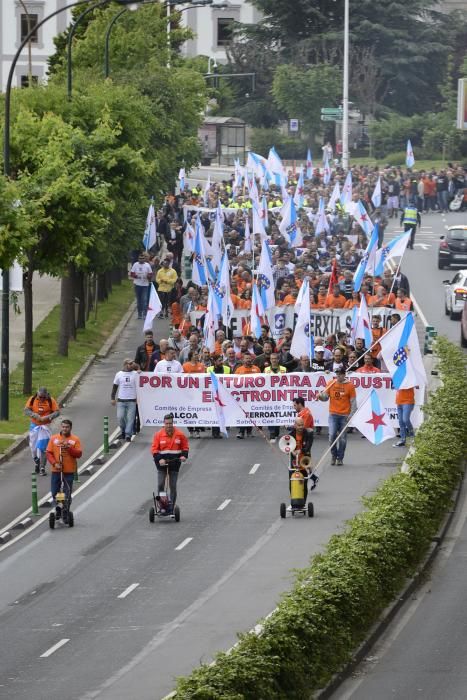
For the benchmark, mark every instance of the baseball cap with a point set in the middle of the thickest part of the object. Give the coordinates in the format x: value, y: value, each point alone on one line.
x: 319, y: 348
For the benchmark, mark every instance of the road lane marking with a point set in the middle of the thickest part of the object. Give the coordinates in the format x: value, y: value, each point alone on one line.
x: 53, y: 649
x: 224, y: 504
x: 254, y: 469
x: 183, y: 544
x: 128, y: 590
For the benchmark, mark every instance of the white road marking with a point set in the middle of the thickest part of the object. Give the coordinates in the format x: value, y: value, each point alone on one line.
x: 254, y: 469
x: 425, y: 246
x: 53, y: 649
x: 183, y: 544
x: 128, y: 590
x: 224, y: 504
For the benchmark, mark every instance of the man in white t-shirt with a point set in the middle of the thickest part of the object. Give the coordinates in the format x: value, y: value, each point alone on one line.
x: 141, y: 273
x: 169, y: 365
x: 125, y: 384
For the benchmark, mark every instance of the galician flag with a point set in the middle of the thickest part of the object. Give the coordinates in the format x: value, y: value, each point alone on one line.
x: 326, y: 170
x: 335, y: 196
x: 210, y: 323
x: 367, y: 262
x: 265, y: 278
x: 181, y: 177
x: 289, y: 225
x: 400, y: 351
x: 302, y: 340
x: 309, y: 165
x: 409, y: 158
x: 394, y: 249
x: 149, y: 237
x: 372, y: 420
x: 376, y: 196
x: 299, y: 191
x: 258, y: 223
x: 154, y: 307
x: 362, y: 326
x: 221, y: 292
x: 228, y: 410
x: 247, y: 245
x: 346, y: 194
x: 257, y: 311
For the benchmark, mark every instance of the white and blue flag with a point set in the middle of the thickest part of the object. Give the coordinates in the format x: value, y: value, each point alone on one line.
x: 409, y: 157
x: 265, y: 277
x: 394, y: 249
x: 400, y: 351
x: 367, y: 263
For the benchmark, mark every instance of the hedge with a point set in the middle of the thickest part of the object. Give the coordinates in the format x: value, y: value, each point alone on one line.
x: 340, y: 595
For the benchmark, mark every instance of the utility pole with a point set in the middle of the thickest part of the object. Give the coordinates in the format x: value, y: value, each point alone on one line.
x: 345, y: 95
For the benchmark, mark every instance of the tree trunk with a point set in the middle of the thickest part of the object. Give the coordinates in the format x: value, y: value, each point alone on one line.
x: 28, y: 321
x: 116, y: 275
x: 67, y: 311
x: 80, y: 293
x: 102, y: 293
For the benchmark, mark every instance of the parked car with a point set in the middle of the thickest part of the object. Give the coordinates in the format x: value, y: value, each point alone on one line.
x: 455, y: 292
x: 453, y: 247
x: 464, y: 326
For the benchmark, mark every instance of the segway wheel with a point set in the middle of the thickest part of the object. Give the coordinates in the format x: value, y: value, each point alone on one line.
x: 283, y: 510
x: 177, y: 514
x: 311, y: 510
x: 71, y: 519
x: 52, y: 520
x: 152, y: 515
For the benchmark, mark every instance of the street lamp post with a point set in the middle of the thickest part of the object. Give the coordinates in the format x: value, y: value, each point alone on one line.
x: 5, y: 348
x: 345, y: 95
x: 107, y: 39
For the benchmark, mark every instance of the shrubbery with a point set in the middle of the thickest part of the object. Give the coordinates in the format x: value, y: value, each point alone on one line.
x: 335, y: 600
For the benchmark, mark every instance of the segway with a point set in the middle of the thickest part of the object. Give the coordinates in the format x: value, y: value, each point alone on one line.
x: 298, y: 481
x: 163, y: 506
x: 62, y: 509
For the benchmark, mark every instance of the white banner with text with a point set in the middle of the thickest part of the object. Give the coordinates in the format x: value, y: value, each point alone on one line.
x: 323, y: 323
x: 266, y: 399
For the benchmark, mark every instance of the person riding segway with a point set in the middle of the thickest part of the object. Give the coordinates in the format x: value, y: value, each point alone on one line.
x: 63, y: 451
x: 298, y: 446
x: 169, y: 449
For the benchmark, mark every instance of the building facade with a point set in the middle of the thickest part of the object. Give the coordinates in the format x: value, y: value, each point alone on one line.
x: 212, y: 27
x: 14, y: 28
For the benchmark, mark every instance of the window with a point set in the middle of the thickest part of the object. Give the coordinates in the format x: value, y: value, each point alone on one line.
x: 224, y: 30
x: 32, y: 19
x: 25, y: 80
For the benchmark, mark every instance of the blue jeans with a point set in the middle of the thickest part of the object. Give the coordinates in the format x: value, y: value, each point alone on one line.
x: 126, y: 411
x: 56, y: 482
x: 404, y: 411
x: 336, y: 426
x: 142, y: 298
x: 443, y: 200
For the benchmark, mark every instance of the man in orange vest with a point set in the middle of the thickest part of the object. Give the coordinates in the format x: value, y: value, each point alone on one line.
x: 169, y: 449
x: 63, y: 451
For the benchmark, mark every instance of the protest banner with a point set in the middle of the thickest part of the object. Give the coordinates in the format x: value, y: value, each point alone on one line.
x: 322, y: 323
x: 266, y: 398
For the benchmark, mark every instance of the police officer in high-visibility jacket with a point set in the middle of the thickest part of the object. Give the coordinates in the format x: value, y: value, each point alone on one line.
x: 410, y: 218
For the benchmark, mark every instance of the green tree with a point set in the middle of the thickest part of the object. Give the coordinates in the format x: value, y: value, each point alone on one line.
x: 302, y: 93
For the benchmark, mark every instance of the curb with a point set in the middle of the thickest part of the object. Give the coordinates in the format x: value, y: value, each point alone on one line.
x: 23, y: 441
x: 391, y: 611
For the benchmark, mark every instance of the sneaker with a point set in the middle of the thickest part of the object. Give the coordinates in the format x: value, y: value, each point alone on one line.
x: 272, y: 440
x: 121, y: 436
x: 43, y: 472
x: 128, y: 439
x: 401, y: 443
x: 339, y: 462
x: 240, y: 437
x: 333, y: 460
x: 314, y: 481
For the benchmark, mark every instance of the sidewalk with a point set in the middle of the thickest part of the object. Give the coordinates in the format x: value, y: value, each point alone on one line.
x: 46, y: 295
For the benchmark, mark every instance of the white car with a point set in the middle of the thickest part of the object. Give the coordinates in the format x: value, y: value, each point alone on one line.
x: 455, y: 292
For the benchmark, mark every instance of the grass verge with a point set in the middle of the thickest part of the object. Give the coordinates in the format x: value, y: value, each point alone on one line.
x: 419, y: 164
x: 342, y: 593
x: 52, y: 370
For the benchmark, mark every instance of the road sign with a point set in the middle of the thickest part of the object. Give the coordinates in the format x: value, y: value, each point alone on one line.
x: 332, y: 111
x: 330, y: 118
x: 293, y: 125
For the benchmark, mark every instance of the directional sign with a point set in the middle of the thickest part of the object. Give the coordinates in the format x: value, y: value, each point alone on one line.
x: 329, y: 118
x: 293, y: 125
x: 332, y: 110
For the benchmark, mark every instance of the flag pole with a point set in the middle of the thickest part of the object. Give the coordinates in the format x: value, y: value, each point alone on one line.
x: 395, y: 275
